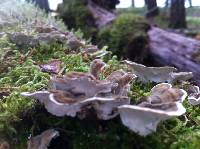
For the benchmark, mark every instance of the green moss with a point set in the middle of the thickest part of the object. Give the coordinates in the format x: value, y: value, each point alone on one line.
x: 22, y: 117
x: 139, y: 91
x: 162, y: 21
x: 26, y: 77
x: 126, y: 37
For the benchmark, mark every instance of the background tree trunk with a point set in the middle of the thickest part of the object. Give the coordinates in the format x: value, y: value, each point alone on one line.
x: 177, y: 14
x: 43, y: 4
x: 152, y: 8
x: 190, y: 3
x: 101, y: 16
x: 107, y: 4
x: 167, y: 3
x: 133, y: 3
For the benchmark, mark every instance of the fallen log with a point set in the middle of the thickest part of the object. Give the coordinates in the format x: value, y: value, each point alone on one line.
x: 172, y: 49
x: 102, y: 16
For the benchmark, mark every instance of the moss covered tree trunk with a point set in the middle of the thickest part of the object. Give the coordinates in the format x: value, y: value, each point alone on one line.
x: 152, y: 9
x: 177, y: 14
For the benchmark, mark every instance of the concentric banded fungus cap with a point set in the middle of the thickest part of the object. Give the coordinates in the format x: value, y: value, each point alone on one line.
x: 74, y: 43
x: 154, y: 74
x: 60, y: 103
x: 180, y: 76
x: 163, y: 103
x: 52, y: 67
x: 43, y: 140
x: 194, y: 96
x: 106, y: 108
x: 164, y: 93
x: 158, y: 74
x: 4, y: 145
x: 75, y: 93
x: 123, y: 80
x: 42, y: 96
x: 82, y: 83
x: 96, y: 67
x: 113, y: 77
x: 90, y: 49
x: 144, y: 120
x: 84, y: 86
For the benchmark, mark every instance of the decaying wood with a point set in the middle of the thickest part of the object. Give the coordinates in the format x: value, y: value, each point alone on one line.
x: 101, y: 15
x: 169, y: 48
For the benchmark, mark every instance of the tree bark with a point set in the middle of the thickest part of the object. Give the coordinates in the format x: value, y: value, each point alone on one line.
x: 43, y: 4
x: 167, y: 3
x: 101, y: 16
x: 172, y: 49
x: 107, y: 4
x: 190, y: 3
x: 133, y: 3
x: 152, y: 8
x: 177, y: 14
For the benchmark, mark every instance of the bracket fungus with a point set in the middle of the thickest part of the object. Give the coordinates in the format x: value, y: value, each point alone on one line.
x: 164, y: 93
x: 180, y: 76
x: 43, y: 140
x: 76, y: 92
x: 46, y: 35
x: 52, y: 67
x: 4, y: 145
x: 144, y: 118
x: 96, y: 67
x: 158, y: 74
x: 90, y: 49
x: 82, y: 86
x: 91, y: 53
x: 194, y: 96
x: 123, y: 80
x: 59, y: 104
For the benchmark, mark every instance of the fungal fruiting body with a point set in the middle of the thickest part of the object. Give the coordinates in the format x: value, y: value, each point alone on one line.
x: 76, y: 92
x: 158, y: 74
x: 163, y: 103
x: 194, y: 96
x: 144, y: 120
x: 43, y: 140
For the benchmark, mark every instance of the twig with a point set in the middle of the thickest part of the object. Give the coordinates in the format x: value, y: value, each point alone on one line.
x: 7, y: 88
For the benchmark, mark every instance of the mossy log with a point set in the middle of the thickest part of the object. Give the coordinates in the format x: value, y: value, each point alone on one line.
x: 169, y: 48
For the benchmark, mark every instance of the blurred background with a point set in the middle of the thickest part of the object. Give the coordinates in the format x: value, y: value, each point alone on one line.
x: 146, y: 31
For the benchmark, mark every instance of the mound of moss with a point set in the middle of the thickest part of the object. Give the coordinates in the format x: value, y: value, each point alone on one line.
x: 76, y: 15
x: 21, y: 118
x: 126, y: 37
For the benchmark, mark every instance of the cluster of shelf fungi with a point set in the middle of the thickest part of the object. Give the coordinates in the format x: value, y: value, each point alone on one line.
x: 76, y: 93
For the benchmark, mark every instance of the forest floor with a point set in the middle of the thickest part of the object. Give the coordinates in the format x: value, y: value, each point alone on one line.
x: 21, y: 117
